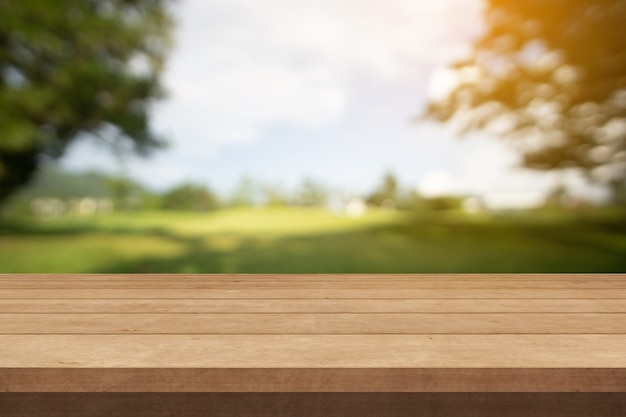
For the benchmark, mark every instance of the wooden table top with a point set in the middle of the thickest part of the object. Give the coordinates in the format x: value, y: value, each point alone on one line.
x: 313, y: 333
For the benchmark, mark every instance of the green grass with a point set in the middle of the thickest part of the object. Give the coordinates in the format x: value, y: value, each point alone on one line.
x: 290, y: 240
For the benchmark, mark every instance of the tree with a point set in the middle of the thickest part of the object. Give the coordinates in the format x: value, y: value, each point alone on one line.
x: 310, y: 193
x: 245, y: 193
x: 126, y: 193
x: 74, y: 69
x: 190, y: 196
x: 550, y: 77
x: 387, y: 193
x: 275, y: 196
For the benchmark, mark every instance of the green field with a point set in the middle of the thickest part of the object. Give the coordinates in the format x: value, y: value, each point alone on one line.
x: 290, y: 240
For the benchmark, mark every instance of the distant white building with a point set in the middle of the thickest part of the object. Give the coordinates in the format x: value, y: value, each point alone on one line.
x: 55, y: 207
x: 48, y: 207
x: 509, y: 201
x: 356, y: 207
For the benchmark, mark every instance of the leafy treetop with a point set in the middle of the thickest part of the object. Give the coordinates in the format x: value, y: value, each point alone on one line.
x: 75, y: 69
x: 550, y: 77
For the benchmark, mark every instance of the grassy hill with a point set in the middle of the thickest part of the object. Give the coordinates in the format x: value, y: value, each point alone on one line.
x: 291, y: 240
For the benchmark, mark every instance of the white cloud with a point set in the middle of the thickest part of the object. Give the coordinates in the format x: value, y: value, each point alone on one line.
x: 487, y: 167
x: 441, y: 83
x: 439, y: 183
x: 490, y: 166
x: 241, y: 66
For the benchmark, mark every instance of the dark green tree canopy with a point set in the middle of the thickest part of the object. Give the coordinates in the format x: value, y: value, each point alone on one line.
x: 76, y: 68
x: 189, y: 196
x: 550, y: 77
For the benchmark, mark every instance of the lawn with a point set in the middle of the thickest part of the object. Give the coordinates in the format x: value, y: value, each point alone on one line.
x: 290, y: 240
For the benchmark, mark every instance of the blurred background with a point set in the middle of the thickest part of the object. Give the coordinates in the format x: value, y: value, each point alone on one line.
x: 293, y: 136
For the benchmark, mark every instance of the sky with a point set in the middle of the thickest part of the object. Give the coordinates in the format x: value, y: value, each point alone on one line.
x: 282, y: 90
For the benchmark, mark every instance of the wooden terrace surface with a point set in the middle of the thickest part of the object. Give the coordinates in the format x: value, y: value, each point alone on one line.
x: 313, y: 345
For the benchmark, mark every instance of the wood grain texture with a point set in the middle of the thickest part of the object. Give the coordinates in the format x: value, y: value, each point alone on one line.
x: 325, y: 293
x: 315, y: 379
x: 303, y: 324
x: 311, y: 306
x: 313, y: 351
x: 313, y: 333
x: 313, y: 404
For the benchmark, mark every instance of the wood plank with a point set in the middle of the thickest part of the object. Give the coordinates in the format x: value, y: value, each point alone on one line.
x: 313, y: 404
x: 245, y: 293
x: 313, y: 333
x: 290, y: 284
x: 314, y: 277
x: 313, y: 351
x: 313, y: 281
x: 373, y: 324
x: 363, y: 305
x: 312, y: 380
x: 251, y: 278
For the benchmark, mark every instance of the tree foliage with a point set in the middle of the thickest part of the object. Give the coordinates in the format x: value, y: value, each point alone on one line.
x: 245, y: 193
x: 311, y: 193
x: 192, y: 197
x: 550, y: 77
x: 73, y: 69
x: 387, y: 192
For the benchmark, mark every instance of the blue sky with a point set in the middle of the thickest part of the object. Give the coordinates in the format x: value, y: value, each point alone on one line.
x: 280, y: 90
